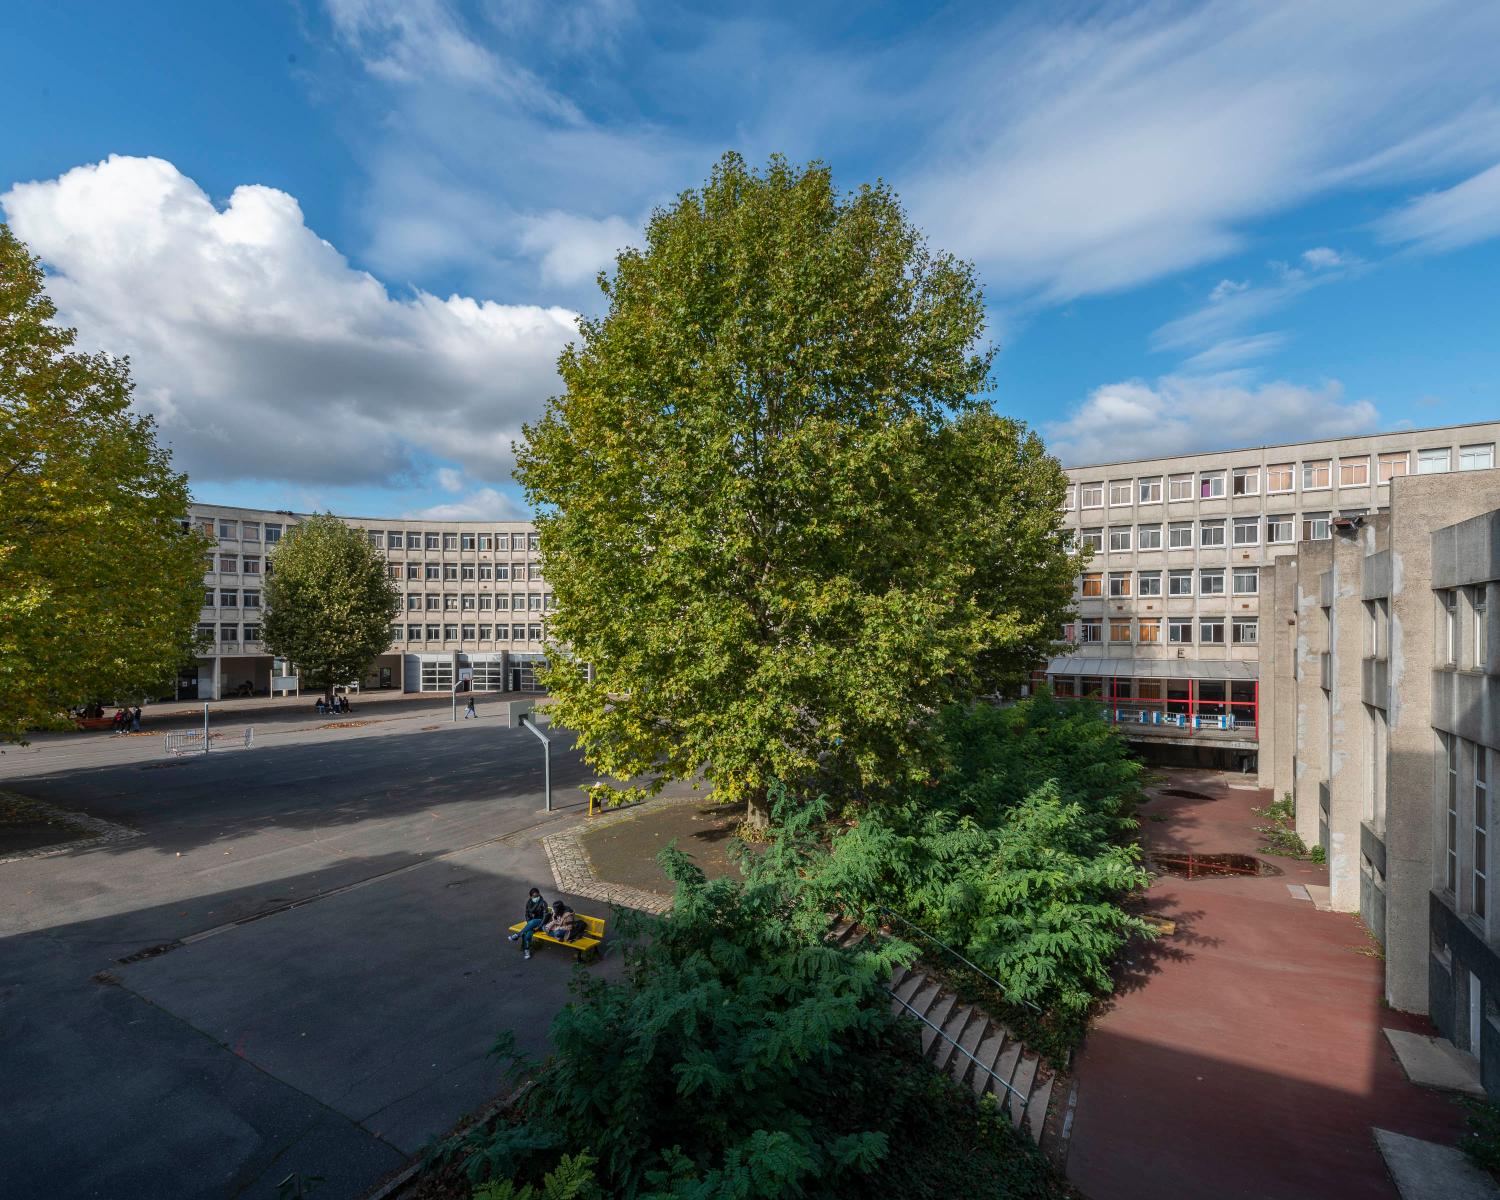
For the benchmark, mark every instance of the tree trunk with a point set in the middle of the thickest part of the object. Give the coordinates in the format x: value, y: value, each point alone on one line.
x: 758, y: 812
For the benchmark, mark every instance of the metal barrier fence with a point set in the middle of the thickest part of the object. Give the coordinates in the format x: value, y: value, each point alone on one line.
x: 195, y: 742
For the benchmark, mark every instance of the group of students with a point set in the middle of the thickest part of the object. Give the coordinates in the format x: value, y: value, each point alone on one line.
x: 339, y: 706
x: 127, y: 720
x: 559, y: 922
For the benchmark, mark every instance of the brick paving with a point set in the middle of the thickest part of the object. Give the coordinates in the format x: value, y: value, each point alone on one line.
x: 574, y: 874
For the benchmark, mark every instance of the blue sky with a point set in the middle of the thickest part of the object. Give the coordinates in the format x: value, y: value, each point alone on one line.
x: 344, y: 240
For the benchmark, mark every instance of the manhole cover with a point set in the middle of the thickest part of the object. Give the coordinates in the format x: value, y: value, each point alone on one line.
x: 1185, y: 794
x: 1205, y: 866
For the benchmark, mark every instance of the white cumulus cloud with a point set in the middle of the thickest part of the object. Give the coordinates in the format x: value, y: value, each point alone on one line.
x: 483, y: 504
x: 261, y: 351
x: 1187, y: 414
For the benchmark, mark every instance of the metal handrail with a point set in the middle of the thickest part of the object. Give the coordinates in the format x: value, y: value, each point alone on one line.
x: 972, y: 966
x: 990, y: 1071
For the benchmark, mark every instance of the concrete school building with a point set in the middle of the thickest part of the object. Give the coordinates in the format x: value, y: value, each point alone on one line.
x: 472, y: 596
x: 1170, y: 626
x: 1380, y: 684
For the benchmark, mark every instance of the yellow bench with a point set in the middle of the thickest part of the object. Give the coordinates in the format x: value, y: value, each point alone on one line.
x: 588, y: 940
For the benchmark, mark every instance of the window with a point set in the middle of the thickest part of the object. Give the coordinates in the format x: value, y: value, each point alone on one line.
x: 1180, y: 487
x: 1211, y: 583
x: 206, y: 631
x: 1450, y: 757
x: 466, y: 571
x: 273, y: 534
x: 1150, y: 491
x: 393, y: 570
x: 1481, y: 626
x: 434, y: 541
x: 467, y: 603
x: 1211, y: 485
x: 502, y: 603
x: 450, y: 603
x: 1315, y: 475
x: 487, y: 634
x: 229, y: 598
x: 251, y: 598
x: 249, y: 531
x: 229, y: 562
x: 1449, y: 601
x: 432, y: 571
x: 533, y: 633
x: 413, y: 570
x: 229, y: 633
x: 1179, y: 631
x: 1476, y: 458
x: 1093, y: 584
x: 468, y: 632
x: 413, y: 601
x: 486, y: 542
x: 450, y: 571
x: 209, y: 599
x: 450, y: 541
x: 1314, y: 527
x: 250, y: 564
x: 434, y: 634
x: 413, y: 633
x: 413, y: 541
x: 1394, y: 464
x: 1119, y: 630
x: 1148, y: 537
x: 1247, y: 531
x: 1180, y: 536
x: 1246, y: 581
x: 1212, y: 534
x: 1119, y: 492
x: 1148, y: 583
x: 1280, y: 529
x: 1433, y: 462
x: 466, y: 541
x: 1481, y: 828
x: 1070, y: 498
x: 1088, y: 631
x: 376, y: 536
x: 502, y: 541
x: 486, y: 572
x: 534, y: 601
x: 394, y: 540
x: 1091, y: 495
x: 1119, y: 538
x: 551, y: 601
x: 1211, y: 631
x: 1246, y: 631
x: 450, y: 633
x: 534, y: 543
x: 486, y: 602
x: 1119, y: 583
x: 434, y: 602
x: 1280, y: 478
x: 1149, y: 633
x: 1089, y: 539
x: 229, y: 529
x: 502, y: 571
x: 1245, y: 481
x: 1354, y: 472
x: 1179, y: 583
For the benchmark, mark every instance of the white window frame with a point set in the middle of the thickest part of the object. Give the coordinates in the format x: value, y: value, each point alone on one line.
x: 1449, y: 601
x: 1211, y: 485
x: 1123, y: 487
x: 1174, y: 577
x: 1291, y: 478
x: 1176, y: 626
x: 1178, y: 529
x: 1070, y: 498
x: 1251, y: 573
x: 1479, y: 600
x: 1090, y: 624
x: 1119, y: 585
x: 1149, y: 491
x: 1179, y: 487
x: 1243, y: 625
x: 1203, y: 531
x: 1091, y: 539
x: 1353, y: 464
x: 1143, y: 535
x: 1392, y: 459
x: 1250, y: 477
x: 1121, y: 539
x: 1485, y: 450
x: 1287, y: 520
x: 1205, y: 624
x: 1091, y: 495
x: 1310, y: 470
x: 1435, y: 460
x: 1148, y: 583
x: 1211, y: 581
x: 1250, y: 523
x: 1317, y: 520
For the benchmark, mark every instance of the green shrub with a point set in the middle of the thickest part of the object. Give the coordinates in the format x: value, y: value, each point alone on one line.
x: 1280, y: 834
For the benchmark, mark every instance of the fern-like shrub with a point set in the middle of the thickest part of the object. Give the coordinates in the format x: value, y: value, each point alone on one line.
x: 742, y: 1057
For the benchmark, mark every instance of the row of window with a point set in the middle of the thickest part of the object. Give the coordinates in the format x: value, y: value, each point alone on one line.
x: 396, y: 539
x: 467, y: 633
x: 484, y: 602
x: 1464, y: 626
x: 1280, y: 529
x: 481, y: 572
x: 236, y: 564
x: 246, y: 531
x: 1147, y: 631
x: 232, y: 598
x: 1316, y: 475
x: 228, y: 632
x: 1210, y: 581
x: 1466, y: 834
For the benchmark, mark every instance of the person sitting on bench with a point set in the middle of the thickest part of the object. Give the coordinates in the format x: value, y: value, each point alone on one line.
x: 564, y: 923
x: 537, y: 913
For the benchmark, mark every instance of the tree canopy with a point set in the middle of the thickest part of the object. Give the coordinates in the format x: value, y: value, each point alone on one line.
x: 779, y: 516
x: 328, y: 603
x: 100, y: 583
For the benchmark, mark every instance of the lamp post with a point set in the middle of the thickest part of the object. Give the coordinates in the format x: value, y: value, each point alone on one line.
x: 546, y: 756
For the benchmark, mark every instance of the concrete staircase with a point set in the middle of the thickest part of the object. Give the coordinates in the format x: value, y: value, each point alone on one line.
x: 971, y: 1046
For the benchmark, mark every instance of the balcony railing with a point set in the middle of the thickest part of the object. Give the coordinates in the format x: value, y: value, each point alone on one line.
x: 1159, y: 721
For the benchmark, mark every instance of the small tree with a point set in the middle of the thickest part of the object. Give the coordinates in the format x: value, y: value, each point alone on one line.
x: 100, y: 583
x: 779, y: 518
x: 329, y: 605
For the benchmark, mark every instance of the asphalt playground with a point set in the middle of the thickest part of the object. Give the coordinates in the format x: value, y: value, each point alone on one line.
x: 297, y: 967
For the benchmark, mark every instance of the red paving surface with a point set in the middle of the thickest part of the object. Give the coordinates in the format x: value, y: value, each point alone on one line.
x: 1244, y: 1056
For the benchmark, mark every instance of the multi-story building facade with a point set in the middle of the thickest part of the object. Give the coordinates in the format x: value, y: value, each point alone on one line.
x: 1381, y: 696
x: 1169, y: 626
x: 472, y: 595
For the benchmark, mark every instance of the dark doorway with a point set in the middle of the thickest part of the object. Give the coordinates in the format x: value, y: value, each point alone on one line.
x: 515, y: 679
x: 187, y: 683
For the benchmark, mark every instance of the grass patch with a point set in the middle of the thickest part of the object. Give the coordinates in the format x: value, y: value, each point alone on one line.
x: 1279, y: 832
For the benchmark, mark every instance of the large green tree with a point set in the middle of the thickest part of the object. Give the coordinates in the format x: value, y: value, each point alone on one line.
x: 328, y: 602
x: 100, y: 582
x: 778, y: 514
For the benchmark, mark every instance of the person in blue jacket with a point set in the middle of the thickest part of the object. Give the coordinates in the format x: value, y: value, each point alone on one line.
x: 537, y: 914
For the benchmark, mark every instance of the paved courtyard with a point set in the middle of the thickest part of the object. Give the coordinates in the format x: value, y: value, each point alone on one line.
x: 299, y: 966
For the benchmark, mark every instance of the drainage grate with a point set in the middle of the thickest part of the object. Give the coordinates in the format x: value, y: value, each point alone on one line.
x: 148, y: 952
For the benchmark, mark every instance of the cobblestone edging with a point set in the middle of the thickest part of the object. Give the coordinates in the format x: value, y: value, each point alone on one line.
x: 104, y: 832
x: 573, y: 873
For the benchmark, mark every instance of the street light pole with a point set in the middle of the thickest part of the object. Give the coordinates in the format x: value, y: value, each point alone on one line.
x: 546, y: 756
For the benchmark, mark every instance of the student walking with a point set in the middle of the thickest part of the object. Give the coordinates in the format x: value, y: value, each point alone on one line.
x: 537, y: 914
x: 135, y: 719
x: 470, y: 711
